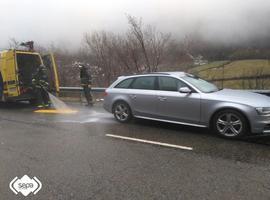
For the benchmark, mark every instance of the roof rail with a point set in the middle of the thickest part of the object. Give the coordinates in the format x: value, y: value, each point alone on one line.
x: 163, y: 73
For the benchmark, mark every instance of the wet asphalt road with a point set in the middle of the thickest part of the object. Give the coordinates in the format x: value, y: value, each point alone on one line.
x: 73, y: 158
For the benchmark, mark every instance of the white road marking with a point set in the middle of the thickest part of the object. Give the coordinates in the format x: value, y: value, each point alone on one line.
x: 150, y: 142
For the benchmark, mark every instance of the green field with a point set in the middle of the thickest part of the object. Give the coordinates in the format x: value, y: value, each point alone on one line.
x: 240, y: 68
x: 208, y: 66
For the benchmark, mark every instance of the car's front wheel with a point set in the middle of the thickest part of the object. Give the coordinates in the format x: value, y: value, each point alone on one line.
x: 230, y: 124
x: 122, y: 112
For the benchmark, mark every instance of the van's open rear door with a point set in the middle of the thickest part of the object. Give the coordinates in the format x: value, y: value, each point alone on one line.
x: 11, y: 75
x: 49, y: 62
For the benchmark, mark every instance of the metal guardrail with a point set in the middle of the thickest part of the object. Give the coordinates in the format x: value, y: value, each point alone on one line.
x: 79, y: 89
x: 264, y: 92
x: 265, y: 76
x: 99, y: 89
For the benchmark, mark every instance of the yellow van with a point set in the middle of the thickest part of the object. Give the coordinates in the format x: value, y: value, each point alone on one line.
x: 16, y: 70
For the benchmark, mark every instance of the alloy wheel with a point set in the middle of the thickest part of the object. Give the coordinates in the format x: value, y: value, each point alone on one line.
x: 229, y: 124
x: 122, y: 112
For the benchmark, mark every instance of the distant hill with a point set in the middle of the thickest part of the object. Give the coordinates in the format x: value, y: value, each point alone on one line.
x: 236, y: 69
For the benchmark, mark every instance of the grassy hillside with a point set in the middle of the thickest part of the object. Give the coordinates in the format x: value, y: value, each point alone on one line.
x: 240, y: 68
x: 208, y: 66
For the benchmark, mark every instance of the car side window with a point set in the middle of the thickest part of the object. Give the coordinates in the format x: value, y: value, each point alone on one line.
x: 125, y: 83
x: 170, y: 84
x: 144, y: 83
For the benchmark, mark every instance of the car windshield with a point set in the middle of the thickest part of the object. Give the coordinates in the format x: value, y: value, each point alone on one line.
x: 201, y: 84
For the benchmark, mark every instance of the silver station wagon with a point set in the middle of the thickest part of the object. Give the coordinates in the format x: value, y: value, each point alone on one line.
x: 182, y: 98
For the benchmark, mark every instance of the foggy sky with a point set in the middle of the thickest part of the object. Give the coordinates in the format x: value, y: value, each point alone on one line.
x: 65, y: 21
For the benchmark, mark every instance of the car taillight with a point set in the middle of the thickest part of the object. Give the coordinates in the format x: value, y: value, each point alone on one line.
x: 105, y: 94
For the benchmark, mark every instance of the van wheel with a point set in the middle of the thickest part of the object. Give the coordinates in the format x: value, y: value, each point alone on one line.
x: 122, y: 112
x: 230, y: 124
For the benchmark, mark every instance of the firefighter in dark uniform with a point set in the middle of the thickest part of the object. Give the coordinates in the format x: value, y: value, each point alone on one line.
x: 40, y: 87
x: 86, y: 81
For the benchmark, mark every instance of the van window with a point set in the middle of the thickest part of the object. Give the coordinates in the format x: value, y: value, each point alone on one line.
x: 125, y: 83
x: 144, y: 83
x: 27, y: 66
x: 170, y: 84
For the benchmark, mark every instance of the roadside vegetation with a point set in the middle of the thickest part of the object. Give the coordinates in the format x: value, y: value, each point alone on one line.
x: 208, y: 67
x: 142, y: 48
x: 248, y: 74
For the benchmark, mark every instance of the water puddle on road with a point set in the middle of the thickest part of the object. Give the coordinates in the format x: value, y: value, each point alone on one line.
x: 80, y: 115
x: 89, y: 117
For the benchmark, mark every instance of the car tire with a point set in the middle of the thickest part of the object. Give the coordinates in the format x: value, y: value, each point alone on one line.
x: 230, y: 123
x: 122, y: 112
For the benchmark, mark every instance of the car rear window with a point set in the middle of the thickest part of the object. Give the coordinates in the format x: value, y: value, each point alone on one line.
x: 144, y: 83
x: 125, y: 83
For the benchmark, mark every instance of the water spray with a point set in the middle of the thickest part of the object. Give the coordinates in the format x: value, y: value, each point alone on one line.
x: 58, y: 106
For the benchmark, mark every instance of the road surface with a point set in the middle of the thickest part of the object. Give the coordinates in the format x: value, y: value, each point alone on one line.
x: 89, y: 155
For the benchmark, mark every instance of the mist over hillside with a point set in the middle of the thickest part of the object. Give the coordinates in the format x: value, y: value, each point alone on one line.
x: 126, y: 36
x: 63, y: 22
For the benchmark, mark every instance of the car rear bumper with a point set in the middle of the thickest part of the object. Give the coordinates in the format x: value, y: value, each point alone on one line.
x: 107, y: 107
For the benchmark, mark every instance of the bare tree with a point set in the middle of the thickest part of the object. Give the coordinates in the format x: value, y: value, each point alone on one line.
x: 129, y: 53
x: 13, y: 43
x: 138, y: 50
x: 136, y: 29
x: 152, y: 42
x: 157, y: 46
x: 134, y: 52
x: 101, y: 45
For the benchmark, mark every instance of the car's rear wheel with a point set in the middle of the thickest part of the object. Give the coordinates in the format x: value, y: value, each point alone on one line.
x: 122, y: 112
x: 230, y: 124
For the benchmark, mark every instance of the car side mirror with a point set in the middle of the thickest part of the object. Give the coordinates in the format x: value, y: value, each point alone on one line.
x: 185, y: 90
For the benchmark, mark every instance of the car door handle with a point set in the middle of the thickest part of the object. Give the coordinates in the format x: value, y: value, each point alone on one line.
x: 133, y: 96
x: 162, y: 98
